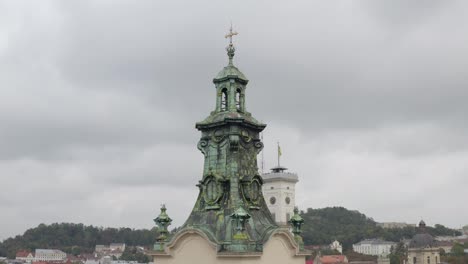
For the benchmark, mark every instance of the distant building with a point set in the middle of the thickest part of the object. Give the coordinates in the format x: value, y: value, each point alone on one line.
x: 25, y: 256
x: 317, y: 247
x: 395, y: 225
x: 113, y: 250
x: 445, y: 245
x: 106, y: 260
x: 117, y: 246
x: 465, y: 230
x: 124, y: 262
x: 335, y: 245
x: 331, y: 259
x: 92, y: 261
x: 383, y: 260
x: 279, y: 192
x: 49, y: 255
x: 363, y: 262
x: 423, y: 248
x: 451, y: 238
x: 375, y: 247
x: 13, y: 261
x: 100, y: 248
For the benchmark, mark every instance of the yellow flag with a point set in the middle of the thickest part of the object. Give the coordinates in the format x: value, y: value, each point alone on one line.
x: 279, y: 150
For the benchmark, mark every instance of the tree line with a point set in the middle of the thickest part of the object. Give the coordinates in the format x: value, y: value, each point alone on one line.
x: 322, y: 226
x: 75, y: 238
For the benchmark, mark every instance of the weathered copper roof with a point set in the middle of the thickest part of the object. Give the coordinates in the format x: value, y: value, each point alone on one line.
x: 221, y: 118
x: 230, y: 71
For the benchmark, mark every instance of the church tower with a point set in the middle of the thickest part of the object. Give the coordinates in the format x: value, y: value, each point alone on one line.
x: 230, y: 207
x: 230, y: 218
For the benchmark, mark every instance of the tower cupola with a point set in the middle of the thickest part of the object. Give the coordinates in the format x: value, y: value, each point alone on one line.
x: 230, y: 208
x: 230, y: 221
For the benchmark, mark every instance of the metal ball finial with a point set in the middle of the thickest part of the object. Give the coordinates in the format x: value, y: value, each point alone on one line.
x: 230, y: 48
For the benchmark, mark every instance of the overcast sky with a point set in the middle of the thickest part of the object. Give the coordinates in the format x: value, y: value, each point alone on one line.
x: 98, y: 101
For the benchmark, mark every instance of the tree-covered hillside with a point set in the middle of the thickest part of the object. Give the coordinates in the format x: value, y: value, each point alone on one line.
x: 75, y: 238
x: 324, y: 225
x: 321, y: 227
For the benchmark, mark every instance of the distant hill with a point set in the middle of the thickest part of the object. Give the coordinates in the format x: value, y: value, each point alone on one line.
x: 75, y: 238
x: 321, y: 227
x: 324, y: 225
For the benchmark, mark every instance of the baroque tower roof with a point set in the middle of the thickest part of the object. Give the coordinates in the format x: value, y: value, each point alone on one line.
x: 230, y: 210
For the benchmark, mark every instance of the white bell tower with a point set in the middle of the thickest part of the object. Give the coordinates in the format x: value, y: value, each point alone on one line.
x: 279, y: 190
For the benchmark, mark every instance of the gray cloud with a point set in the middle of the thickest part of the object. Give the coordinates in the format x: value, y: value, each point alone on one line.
x: 98, y: 102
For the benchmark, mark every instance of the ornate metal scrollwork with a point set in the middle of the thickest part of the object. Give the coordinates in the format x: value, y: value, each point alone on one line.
x: 212, y: 187
x: 258, y: 145
x: 217, y: 136
x: 246, y: 136
x: 234, y: 142
x: 202, y: 144
x: 252, y: 191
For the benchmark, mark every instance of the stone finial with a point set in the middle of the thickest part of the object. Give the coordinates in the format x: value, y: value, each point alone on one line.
x: 296, y: 223
x: 163, y: 221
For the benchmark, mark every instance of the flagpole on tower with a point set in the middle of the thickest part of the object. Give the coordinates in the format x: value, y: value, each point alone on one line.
x: 279, y: 154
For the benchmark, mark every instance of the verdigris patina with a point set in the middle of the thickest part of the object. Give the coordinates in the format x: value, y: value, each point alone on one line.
x: 230, y: 212
x: 230, y: 208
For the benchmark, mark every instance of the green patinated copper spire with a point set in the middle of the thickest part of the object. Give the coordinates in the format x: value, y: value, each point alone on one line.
x: 230, y: 209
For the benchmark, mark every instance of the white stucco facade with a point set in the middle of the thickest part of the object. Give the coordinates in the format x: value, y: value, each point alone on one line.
x: 375, y: 247
x: 279, y: 190
x: 49, y: 255
x: 194, y: 247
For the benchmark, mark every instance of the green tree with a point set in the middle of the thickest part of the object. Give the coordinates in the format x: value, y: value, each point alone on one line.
x: 398, y: 253
x: 465, y: 229
x: 132, y: 254
x: 324, y: 225
x: 458, y: 250
x: 75, y: 238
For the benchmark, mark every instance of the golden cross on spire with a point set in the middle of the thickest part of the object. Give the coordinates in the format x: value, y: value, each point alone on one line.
x: 230, y: 35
